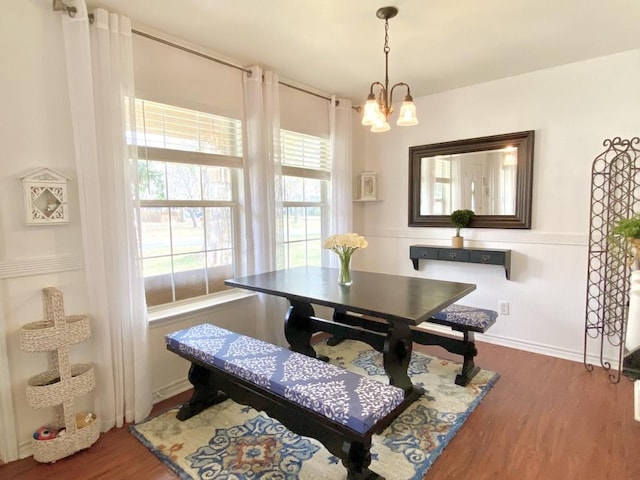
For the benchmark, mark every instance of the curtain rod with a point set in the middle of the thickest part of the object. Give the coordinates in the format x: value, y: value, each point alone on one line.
x: 59, y: 5
x: 189, y: 50
x: 217, y: 60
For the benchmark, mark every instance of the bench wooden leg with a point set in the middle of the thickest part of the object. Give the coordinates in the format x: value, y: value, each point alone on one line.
x: 460, y: 346
x: 469, y: 369
x: 205, y: 393
x: 357, y: 458
x: 335, y: 340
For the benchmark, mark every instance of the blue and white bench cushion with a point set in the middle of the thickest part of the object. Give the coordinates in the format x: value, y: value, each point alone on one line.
x: 342, y: 396
x: 473, y: 318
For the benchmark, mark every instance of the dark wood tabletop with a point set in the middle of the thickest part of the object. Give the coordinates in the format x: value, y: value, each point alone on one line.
x: 409, y: 300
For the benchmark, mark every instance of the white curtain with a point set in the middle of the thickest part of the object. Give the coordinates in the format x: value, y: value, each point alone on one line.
x: 101, y: 92
x: 340, y: 131
x: 457, y: 193
x: 632, y: 339
x: 427, y: 186
x: 8, y: 437
x: 263, y: 179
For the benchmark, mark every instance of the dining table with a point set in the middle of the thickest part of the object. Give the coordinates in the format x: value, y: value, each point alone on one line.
x: 377, y: 308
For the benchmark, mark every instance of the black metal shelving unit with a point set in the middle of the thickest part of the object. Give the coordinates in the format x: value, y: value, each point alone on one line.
x: 615, y: 194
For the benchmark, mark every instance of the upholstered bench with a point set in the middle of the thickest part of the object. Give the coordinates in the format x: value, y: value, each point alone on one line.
x: 466, y: 320
x: 463, y: 318
x: 313, y: 398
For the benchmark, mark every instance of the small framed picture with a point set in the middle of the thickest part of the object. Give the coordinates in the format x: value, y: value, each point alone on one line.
x: 368, y: 186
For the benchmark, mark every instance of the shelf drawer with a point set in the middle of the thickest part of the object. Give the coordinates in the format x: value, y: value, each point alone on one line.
x: 489, y: 257
x: 453, y: 254
x: 427, y: 253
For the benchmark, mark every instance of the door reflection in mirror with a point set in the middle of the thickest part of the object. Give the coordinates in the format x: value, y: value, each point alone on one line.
x: 484, y: 182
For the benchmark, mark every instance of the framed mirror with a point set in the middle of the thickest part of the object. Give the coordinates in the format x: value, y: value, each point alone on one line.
x: 490, y: 175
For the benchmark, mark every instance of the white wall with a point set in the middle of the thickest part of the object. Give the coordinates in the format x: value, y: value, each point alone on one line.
x: 573, y: 109
x: 35, y: 131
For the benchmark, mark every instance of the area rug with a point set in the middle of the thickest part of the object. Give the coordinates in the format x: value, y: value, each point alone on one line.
x: 234, y: 442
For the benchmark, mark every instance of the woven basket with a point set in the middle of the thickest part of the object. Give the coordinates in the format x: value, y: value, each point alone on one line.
x: 46, y: 389
x: 47, y: 451
x: 62, y: 382
x: 45, y: 336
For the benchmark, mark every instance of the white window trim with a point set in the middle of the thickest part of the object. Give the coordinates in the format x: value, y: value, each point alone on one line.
x: 174, y: 312
x: 185, y: 156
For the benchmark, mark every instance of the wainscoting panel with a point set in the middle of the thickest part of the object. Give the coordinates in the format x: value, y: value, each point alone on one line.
x: 10, y: 447
x: 40, y: 266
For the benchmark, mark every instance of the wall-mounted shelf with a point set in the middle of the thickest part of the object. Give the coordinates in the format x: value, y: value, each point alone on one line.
x: 45, y: 197
x: 468, y: 255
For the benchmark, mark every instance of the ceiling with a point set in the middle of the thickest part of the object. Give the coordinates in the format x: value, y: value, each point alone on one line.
x: 336, y: 46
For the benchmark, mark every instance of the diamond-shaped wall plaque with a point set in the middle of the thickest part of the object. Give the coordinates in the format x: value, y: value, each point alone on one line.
x: 45, y: 195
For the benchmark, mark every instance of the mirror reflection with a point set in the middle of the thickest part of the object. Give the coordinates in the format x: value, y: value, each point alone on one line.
x: 491, y: 175
x: 484, y: 182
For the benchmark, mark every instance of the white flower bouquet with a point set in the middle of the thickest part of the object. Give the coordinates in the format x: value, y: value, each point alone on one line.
x: 344, y: 245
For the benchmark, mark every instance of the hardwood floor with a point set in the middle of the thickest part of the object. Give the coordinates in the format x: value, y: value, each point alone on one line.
x: 546, y: 419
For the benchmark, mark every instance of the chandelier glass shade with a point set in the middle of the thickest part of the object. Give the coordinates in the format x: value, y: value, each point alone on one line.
x: 378, y: 108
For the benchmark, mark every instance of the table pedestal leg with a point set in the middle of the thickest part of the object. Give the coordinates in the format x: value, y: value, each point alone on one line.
x: 337, y: 339
x: 396, y: 358
x: 396, y: 351
x: 297, y: 328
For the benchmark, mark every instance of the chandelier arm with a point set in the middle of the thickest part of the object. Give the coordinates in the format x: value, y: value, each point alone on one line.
x: 399, y: 84
x: 376, y: 84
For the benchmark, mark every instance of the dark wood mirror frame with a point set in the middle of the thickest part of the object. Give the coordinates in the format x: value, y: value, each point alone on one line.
x: 524, y: 141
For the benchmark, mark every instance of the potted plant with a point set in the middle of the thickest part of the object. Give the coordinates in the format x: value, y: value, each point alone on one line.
x: 460, y: 219
x: 629, y: 229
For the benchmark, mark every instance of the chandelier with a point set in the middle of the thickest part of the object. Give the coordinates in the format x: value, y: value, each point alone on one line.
x: 378, y: 109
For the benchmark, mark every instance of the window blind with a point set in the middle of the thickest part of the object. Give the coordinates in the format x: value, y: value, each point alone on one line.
x: 305, y: 151
x: 175, y: 128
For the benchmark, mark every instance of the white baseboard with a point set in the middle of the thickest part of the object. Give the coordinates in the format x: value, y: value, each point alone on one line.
x: 25, y: 449
x: 572, y: 355
x: 636, y: 396
x: 556, y: 352
x: 531, y: 347
x: 171, y: 390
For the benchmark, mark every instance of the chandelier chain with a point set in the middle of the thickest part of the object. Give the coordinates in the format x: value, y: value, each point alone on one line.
x: 386, y: 37
x: 384, y: 94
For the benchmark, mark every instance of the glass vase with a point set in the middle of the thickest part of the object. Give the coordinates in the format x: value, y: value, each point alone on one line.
x: 344, y: 273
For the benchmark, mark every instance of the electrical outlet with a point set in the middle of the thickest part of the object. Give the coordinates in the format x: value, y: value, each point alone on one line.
x: 503, y: 307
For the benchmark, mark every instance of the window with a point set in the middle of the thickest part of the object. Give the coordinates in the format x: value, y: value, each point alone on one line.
x: 442, y: 186
x: 189, y: 165
x: 306, y: 173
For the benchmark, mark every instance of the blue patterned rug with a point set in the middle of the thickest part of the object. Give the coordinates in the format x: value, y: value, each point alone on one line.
x: 234, y: 442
